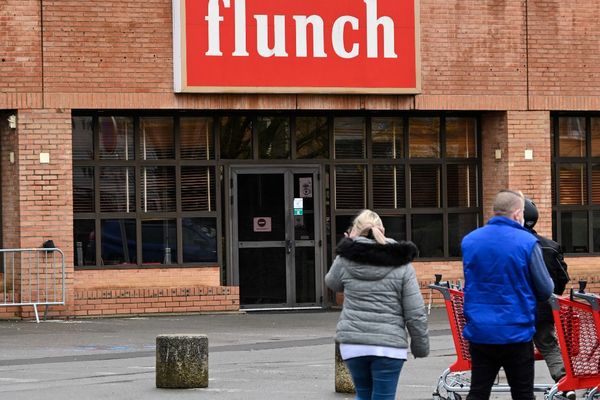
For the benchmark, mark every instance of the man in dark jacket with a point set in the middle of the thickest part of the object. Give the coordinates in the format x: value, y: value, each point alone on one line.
x: 505, y: 277
x: 544, y: 337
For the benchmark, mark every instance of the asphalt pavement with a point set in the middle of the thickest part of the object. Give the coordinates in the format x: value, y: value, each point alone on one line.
x: 251, y: 356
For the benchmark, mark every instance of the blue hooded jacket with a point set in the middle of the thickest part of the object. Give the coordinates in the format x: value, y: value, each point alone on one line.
x: 500, y: 302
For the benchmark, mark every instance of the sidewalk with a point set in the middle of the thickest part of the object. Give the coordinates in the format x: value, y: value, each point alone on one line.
x: 252, y: 356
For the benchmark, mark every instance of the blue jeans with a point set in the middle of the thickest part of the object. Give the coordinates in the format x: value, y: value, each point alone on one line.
x: 375, y: 378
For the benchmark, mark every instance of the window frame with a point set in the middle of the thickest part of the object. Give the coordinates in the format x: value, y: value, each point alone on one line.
x: 587, y: 161
x: 139, y: 215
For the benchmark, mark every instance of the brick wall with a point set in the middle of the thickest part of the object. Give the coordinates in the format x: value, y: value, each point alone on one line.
x: 149, y: 277
x: 564, y: 62
x: 531, y: 130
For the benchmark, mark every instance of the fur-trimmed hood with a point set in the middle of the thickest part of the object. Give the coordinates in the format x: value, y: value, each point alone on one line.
x: 368, y: 260
x: 366, y: 251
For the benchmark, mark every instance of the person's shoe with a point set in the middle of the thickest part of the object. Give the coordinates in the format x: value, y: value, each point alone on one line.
x: 569, y: 395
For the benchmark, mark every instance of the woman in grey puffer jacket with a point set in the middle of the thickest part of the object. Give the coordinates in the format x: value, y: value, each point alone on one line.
x: 382, y: 300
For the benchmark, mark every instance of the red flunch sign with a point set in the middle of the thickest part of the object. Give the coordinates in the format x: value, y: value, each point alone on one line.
x: 302, y: 46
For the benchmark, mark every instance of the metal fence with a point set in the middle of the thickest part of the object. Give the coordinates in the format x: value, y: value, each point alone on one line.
x: 32, y: 277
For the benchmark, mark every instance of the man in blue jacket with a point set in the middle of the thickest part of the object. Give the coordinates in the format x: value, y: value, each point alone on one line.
x: 505, y: 277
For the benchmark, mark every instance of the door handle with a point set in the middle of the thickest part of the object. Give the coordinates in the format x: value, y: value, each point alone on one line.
x: 288, y: 246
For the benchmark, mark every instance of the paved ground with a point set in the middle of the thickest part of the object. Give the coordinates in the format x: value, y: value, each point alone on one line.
x: 252, y: 356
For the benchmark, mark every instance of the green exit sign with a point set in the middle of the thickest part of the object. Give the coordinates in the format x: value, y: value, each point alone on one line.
x: 298, y: 211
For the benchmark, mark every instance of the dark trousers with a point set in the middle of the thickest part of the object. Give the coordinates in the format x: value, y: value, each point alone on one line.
x: 517, y: 361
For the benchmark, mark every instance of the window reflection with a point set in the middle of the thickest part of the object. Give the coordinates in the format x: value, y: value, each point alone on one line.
x: 388, y: 186
x: 273, y: 137
x: 196, y: 138
x: 85, y: 242
x: 350, y: 191
x: 572, y: 184
x: 571, y: 136
x: 424, y: 137
x: 427, y: 234
x: 159, y: 242
x: 312, y: 137
x: 83, y: 138
x: 349, y: 134
x: 199, y: 239
x: 157, y: 138
x: 425, y: 186
x: 118, y: 241
x: 83, y: 189
x: 461, y: 134
x: 158, y: 189
x: 388, y: 137
x: 236, y: 137
x: 459, y: 225
x: 117, y: 189
x: 116, y: 138
x: 574, y: 232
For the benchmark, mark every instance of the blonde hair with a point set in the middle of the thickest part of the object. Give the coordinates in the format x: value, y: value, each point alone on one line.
x: 368, y: 221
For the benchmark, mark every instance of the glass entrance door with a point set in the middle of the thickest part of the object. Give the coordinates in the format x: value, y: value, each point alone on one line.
x: 277, y: 244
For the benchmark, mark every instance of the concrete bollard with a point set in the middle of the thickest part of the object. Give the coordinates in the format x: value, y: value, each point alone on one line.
x: 181, y: 361
x: 343, y: 379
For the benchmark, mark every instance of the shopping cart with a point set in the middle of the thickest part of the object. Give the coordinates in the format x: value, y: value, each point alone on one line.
x: 456, y: 378
x: 577, y: 320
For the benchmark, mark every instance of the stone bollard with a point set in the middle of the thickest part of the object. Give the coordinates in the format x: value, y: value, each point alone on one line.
x: 343, y: 379
x: 181, y: 361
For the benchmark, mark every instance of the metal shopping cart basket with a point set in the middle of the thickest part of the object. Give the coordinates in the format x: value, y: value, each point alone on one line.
x: 456, y: 378
x: 577, y: 320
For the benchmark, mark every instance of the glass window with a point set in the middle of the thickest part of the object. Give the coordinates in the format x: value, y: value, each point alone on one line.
x: 395, y: 227
x: 574, y: 230
x: 388, y: 186
x: 158, y: 189
x: 117, y: 189
x: 459, y: 225
x: 461, y: 137
x: 349, y: 134
x: 199, y: 239
x: 595, y: 183
x: 196, y: 138
x: 273, y: 137
x: 83, y: 138
x: 343, y: 223
x: 236, y: 137
x: 572, y: 184
x: 571, y: 131
x: 157, y: 138
x: 596, y: 230
x: 118, y: 242
x: 461, y: 185
x: 83, y: 189
x: 146, y: 204
x: 198, y: 192
x: 312, y: 137
x: 576, y: 183
x: 159, y: 242
x: 424, y: 137
x: 116, y: 138
x: 388, y: 137
x: 85, y: 242
x: 425, y: 186
x: 350, y: 188
x: 427, y: 234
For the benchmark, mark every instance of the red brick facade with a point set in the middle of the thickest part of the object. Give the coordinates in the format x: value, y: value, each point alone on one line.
x: 515, y: 62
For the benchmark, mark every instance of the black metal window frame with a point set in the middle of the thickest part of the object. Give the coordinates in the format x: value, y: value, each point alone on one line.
x: 138, y: 164
x: 329, y: 165
x: 406, y: 162
x: 589, y: 208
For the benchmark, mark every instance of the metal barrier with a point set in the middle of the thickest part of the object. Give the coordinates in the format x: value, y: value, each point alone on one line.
x: 32, y: 277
